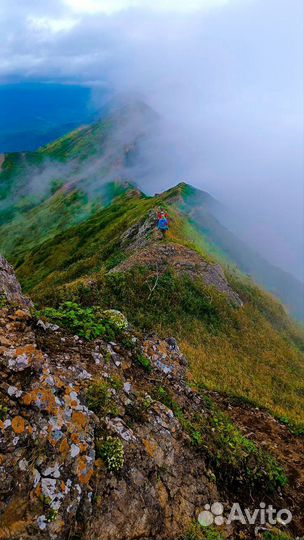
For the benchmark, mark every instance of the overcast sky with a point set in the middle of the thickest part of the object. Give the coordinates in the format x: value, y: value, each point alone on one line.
x: 226, y: 76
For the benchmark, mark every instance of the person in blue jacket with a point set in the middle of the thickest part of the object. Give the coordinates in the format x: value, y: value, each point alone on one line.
x: 163, y: 222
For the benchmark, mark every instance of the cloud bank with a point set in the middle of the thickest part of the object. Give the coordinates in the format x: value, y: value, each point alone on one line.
x: 226, y: 77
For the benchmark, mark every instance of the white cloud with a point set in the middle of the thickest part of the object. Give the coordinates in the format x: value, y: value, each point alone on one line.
x: 109, y: 7
x: 52, y: 25
x: 229, y: 80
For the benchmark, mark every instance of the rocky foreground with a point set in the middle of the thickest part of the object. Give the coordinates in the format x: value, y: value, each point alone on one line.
x: 90, y: 450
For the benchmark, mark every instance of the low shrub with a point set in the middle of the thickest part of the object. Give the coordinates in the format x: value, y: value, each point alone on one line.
x: 233, y: 454
x: 3, y: 411
x: 143, y: 362
x: 293, y: 428
x: 3, y: 301
x: 100, y: 399
x: 116, y: 382
x: 116, y: 318
x: 86, y: 322
x: 197, y: 532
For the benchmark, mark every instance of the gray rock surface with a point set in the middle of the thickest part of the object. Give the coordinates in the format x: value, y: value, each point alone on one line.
x: 10, y: 289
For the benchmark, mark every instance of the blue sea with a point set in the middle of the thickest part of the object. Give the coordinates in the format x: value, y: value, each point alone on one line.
x: 34, y: 114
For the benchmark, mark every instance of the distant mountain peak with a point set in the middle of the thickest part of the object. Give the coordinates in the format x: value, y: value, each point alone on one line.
x: 189, y: 196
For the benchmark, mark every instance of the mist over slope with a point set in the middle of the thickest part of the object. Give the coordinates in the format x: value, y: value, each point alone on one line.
x: 64, y: 183
x: 73, y: 215
x: 236, y: 252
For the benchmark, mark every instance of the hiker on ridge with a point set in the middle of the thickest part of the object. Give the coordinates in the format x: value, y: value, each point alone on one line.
x: 163, y: 222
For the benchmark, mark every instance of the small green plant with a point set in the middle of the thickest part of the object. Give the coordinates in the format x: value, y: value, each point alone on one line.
x: 86, y: 322
x: 137, y: 411
x: 3, y: 301
x: 276, y: 535
x: 190, y: 427
x: 126, y: 342
x: 197, y: 532
x: 196, y: 438
x: 144, y: 362
x: 116, y: 382
x: 3, y: 411
x: 116, y: 318
x: 293, y: 428
x: 100, y: 400
x: 162, y: 395
x: 108, y: 358
x: 52, y: 515
x: 111, y: 450
x: 147, y: 402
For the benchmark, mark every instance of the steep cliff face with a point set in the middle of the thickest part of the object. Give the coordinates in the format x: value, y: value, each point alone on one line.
x: 109, y: 439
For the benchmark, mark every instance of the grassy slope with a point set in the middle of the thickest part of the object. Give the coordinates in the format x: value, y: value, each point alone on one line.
x: 253, y: 352
x: 200, y: 207
x: 82, y: 159
x: 80, y: 174
x: 65, y: 209
x: 64, y: 245
x: 88, y: 156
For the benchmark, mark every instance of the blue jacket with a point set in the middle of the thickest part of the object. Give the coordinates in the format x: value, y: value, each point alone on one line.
x: 163, y: 224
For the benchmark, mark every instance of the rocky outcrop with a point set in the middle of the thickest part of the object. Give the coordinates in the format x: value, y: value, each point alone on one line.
x: 53, y: 485
x: 46, y: 437
x: 161, y: 256
x: 10, y: 290
x: 141, y: 233
x: 162, y: 485
x: 142, y: 243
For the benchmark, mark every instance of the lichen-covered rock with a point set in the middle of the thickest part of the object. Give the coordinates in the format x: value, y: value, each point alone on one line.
x: 140, y: 234
x: 46, y: 430
x: 46, y: 438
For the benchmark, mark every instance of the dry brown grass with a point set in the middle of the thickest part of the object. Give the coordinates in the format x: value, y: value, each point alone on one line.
x: 254, y: 362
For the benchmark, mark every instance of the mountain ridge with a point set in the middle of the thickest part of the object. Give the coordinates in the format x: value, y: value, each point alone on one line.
x: 100, y: 154
x: 92, y: 262
x: 84, y: 227
x: 145, y: 360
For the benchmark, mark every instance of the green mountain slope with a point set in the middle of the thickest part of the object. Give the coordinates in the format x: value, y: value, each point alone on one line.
x: 86, y: 160
x: 239, y: 339
x: 88, y: 234
x: 200, y: 208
